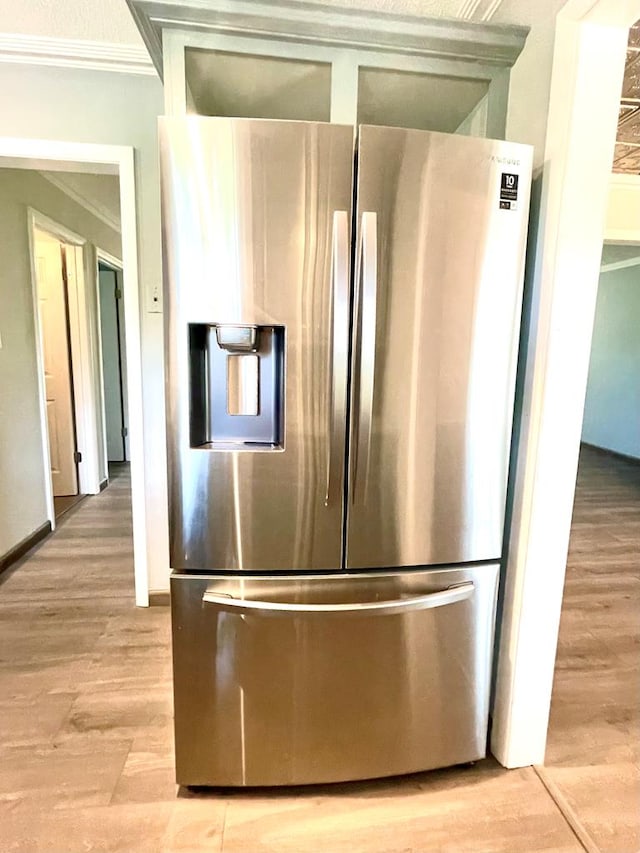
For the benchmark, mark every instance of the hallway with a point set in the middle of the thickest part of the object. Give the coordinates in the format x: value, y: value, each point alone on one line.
x: 86, y: 755
x: 593, y: 749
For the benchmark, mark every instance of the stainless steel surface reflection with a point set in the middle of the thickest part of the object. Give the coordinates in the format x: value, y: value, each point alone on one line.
x: 436, y: 326
x: 248, y: 226
x: 383, y: 674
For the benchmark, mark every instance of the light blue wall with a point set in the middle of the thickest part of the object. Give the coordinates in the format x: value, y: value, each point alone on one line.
x: 612, y: 407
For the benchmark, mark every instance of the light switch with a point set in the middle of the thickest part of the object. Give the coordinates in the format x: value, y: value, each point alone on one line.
x: 155, y: 299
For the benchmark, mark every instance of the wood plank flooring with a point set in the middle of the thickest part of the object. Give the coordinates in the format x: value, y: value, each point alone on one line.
x: 86, y: 749
x: 593, y: 748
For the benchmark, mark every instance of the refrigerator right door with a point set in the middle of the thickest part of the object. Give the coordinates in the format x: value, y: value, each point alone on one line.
x: 441, y: 230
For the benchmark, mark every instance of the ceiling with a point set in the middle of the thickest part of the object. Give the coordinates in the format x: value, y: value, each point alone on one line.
x: 627, y: 152
x: 98, y: 194
x: 90, y: 20
x: 614, y: 254
x: 111, y: 21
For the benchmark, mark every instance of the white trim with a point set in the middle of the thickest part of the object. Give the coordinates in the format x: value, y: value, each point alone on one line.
x: 589, y: 54
x: 620, y: 265
x: 82, y: 378
x: 75, y: 53
x: 478, y: 10
x: 624, y: 180
x: 103, y: 406
x: 104, y: 257
x: 98, y: 210
x: 122, y: 158
x: 82, y: 373
x: 109, y: 260
x: 60, y: 232
x: 132, y: 315
x: 175, y: 85
x: 623, y: 209
x: 491, y: 9
x: 42, y: 394
x: 621, y: 235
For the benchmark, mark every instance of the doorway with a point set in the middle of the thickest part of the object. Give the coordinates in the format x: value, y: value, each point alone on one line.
x: 113, y: 361
x: 595, y: 707
x: 115, y: 160
x: 53, y: 261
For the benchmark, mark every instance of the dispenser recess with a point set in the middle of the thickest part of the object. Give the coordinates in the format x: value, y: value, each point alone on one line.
x: 236, y: 380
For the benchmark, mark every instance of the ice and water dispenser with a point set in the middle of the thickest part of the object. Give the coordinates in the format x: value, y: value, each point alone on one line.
x: 237, y: 386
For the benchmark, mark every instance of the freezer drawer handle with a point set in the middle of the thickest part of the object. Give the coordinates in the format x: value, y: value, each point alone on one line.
x: 450, y: 595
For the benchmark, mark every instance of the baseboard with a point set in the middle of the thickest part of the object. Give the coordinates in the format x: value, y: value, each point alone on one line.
x: 159, y: 598
x: 606, y: 452
x: 19, y: 550
x: 104, y: 484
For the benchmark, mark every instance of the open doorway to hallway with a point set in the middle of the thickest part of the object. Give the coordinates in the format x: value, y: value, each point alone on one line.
x: 52, y: 263
x: 113, y: 365
x: 72, y: 215
x: 594, y: 725
x: 64, y: 193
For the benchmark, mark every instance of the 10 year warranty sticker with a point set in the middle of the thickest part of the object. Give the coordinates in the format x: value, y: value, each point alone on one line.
x: 509, y: 191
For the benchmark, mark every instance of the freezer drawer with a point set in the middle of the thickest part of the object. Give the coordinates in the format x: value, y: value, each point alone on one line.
x: 302, y: 679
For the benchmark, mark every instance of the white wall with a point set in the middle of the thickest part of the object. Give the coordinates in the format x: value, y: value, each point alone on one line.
x: 612, y: 405
x: 113, y: 109
x: 100, y: 194
x: 22, y: 484
x: 623, y: 210
x: 530, y: 79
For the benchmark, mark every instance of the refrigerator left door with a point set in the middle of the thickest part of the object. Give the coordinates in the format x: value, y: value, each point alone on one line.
x: 256, y: 218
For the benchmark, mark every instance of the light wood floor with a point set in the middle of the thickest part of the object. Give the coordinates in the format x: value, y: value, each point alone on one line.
x: 593, y: 749
x: 86, y: 758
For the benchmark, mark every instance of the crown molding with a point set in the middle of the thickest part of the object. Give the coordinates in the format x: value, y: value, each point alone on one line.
x: 317, y: 23
x: 74, y: 53
x: 98, y: 210
x: 478, y: 10
x: 620, y: 265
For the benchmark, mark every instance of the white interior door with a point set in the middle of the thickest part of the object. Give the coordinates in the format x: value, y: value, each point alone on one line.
x: 57, y: 364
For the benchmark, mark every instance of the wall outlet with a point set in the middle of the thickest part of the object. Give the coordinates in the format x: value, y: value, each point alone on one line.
x: 155, y: 299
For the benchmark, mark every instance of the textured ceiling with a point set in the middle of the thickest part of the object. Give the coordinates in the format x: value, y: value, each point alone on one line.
x: 627, y: 152
x: 428, y: 8
x: 99, y: 194
x: 111, y: 21
x: 92, y: 20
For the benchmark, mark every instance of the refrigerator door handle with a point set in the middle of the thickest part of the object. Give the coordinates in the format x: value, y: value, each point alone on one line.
x: 366, y: 313
x: 450, y: 595
x: 338, y: 351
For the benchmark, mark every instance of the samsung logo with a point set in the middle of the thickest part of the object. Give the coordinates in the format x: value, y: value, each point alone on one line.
x: 505, y: 161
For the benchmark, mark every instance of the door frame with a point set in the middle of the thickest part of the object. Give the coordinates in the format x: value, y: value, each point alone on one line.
x: 115, y: 160
x: 85, y: 427
x: 111, y: 261
x: 589, y: 54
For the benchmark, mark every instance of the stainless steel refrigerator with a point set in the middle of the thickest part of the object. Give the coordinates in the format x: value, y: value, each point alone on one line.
x: 342, y: 324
